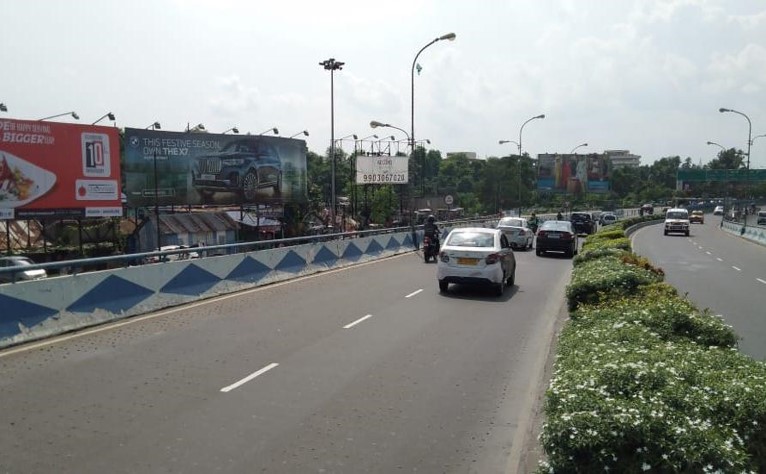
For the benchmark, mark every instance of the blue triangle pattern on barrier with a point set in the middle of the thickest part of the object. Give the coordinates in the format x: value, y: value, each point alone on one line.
x: 393, y: 244
x: 191, y: 281
x: 16, y: 311
x: 352, y: 253
x: 374, y: 248
x: 407, y: 242
x: 249, y: 271
x: 325, y: 257
x: 291, y: 263
x: 114, y: 294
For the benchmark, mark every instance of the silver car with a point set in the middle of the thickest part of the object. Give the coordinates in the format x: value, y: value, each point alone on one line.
x: 21, y: 274
x: 517, y: 230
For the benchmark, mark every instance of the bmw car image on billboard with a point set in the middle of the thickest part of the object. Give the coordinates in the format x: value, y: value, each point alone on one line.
x: 182, y: 168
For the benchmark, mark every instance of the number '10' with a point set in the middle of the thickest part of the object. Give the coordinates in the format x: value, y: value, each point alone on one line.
x: 94, y: 154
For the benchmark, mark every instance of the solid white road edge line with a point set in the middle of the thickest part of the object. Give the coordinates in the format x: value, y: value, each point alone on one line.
x: 350, y: 325
x: 414, y: 293
x: 249, y: 377
x: 736, y: 268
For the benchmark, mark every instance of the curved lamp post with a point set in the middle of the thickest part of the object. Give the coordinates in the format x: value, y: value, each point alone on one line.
x: 73, y: 114
x: 108, y: 114
x: 232, y: 129
x: 718, y: 145
x: 154, y: 126
x: 578, y: 146
x: 411, y: 136
x: 305, y: 133
x: 749, y: 133
x: 541, y: 116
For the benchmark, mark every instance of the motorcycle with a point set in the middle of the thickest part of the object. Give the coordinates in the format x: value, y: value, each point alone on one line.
x: 430, y: 248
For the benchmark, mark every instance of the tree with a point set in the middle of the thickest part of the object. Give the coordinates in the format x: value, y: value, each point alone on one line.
x: 730, y: 159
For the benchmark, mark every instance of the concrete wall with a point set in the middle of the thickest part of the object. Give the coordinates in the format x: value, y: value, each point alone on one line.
x: 37, y: 309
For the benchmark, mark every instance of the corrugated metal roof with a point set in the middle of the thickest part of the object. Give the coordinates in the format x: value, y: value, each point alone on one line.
x: 195, y: 223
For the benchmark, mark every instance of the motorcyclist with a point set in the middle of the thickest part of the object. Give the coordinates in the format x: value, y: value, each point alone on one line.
x: 430, y: 229
x: 533, y: 222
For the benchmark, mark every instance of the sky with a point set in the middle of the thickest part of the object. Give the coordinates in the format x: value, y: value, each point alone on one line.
x: 647, y: 76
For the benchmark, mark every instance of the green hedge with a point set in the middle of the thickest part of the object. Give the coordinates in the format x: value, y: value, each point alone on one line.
x: 644, y: 381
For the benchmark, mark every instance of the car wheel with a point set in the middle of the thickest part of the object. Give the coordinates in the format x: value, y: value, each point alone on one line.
x: 538, y: 252
x: 443, y: 286
x: 500, y: 288
x: 666, y: 232
x: 512, y: 279
x: 250, y: 186
x: 687, y: 233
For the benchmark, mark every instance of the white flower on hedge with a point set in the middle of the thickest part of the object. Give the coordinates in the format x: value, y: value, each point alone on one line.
x: 645, y: 467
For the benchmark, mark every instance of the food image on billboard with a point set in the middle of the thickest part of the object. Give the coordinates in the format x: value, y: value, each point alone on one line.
x: 573, y: 174
x: 382, y: 170
x: 50, y: 169
x: 182, y: 168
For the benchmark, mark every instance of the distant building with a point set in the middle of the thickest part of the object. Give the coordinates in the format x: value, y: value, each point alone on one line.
x: 622, y: 159
x: 471, y: 155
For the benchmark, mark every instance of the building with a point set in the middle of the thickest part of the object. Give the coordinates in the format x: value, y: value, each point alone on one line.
x: 622, y: 159
x: 196, y: 228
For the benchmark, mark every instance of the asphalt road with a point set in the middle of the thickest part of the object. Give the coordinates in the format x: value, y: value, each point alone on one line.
x: 718, y: 271
x: 366, y: 369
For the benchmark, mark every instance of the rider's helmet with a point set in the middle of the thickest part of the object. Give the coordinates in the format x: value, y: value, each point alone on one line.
x: 431, y: 219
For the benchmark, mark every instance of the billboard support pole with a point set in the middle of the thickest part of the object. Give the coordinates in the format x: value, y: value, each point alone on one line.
x: 157, y: 203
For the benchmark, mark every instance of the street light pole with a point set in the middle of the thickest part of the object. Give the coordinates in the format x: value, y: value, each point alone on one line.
x: 332, y: 65
x: 749, y: 134
x: 578, y: 146
x: 718, y: 145
x: 411, y: 136
x: 541, y: 116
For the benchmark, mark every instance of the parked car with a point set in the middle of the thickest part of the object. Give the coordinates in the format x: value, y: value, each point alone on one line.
x: 608, y: 218
x: 22, y: 274
x: 518, y: 232
x: 761, y: 218
x: 677, y: 220
x: 697, y: 216
x: 583, y: 222
x: 718, y: 211
x: 557, y: 236
x: 242, y: 166
x: 476, y: 256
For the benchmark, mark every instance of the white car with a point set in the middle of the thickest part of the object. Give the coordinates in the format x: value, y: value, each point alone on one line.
x: 517, y: 230
x: 718, y: 211
x: 20, y: 263
x: 476, y: 256
x: 677, y: 220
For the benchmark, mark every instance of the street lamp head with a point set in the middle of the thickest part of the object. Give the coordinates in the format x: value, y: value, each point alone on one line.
x: 75, y: 116
x: 541, y: 116
x: 376, y: 124
x: 235, y: 130
x: 110, y: 116
x: 448, y: 36
x: 331, y: 64
x: 154, y: 126
x: 722, y: 110
x: 3, y: 108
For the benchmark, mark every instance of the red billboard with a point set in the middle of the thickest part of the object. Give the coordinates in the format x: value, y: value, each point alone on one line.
x: 58, y: 170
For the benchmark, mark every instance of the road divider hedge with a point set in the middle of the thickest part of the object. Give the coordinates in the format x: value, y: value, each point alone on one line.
x: 643, y: 380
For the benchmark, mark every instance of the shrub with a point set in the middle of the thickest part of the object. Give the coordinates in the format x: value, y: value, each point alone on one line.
x: 605, y: 277
x: 586, y: 255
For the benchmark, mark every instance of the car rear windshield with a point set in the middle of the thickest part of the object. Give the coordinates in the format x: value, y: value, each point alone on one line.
x: 677, y: 215
x: 471, y: 239
x: 580, y: 217
x: 511, y: 222
x: 560, y: 226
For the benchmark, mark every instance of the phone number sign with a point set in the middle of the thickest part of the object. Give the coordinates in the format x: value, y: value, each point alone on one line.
x: 382, y: 170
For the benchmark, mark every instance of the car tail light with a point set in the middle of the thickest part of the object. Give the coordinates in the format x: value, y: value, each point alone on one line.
x: 443, y: 257
x: 566, y: 236
x: 540, y: 233
x: 492, y: 258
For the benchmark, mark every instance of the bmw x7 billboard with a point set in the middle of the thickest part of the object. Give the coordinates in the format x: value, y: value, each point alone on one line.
x: 190, y: 168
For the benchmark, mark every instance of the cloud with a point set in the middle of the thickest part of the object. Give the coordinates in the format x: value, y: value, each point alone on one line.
x: 743, y: 72
x: 233, y: 97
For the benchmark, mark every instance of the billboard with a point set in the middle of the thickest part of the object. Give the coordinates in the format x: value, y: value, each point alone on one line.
x: 573, y: 174
x: 58, y: 170
x: 382, y: 169
x: 183, y: 168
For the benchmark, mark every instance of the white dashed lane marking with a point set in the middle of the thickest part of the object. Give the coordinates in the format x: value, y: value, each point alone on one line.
x: 350, y: 325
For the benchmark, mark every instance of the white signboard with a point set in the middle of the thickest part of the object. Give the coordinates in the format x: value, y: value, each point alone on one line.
x: 382, y: 170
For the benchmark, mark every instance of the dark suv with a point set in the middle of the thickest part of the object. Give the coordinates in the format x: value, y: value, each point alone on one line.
x: 583, y: 222
x: 243, y: 166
